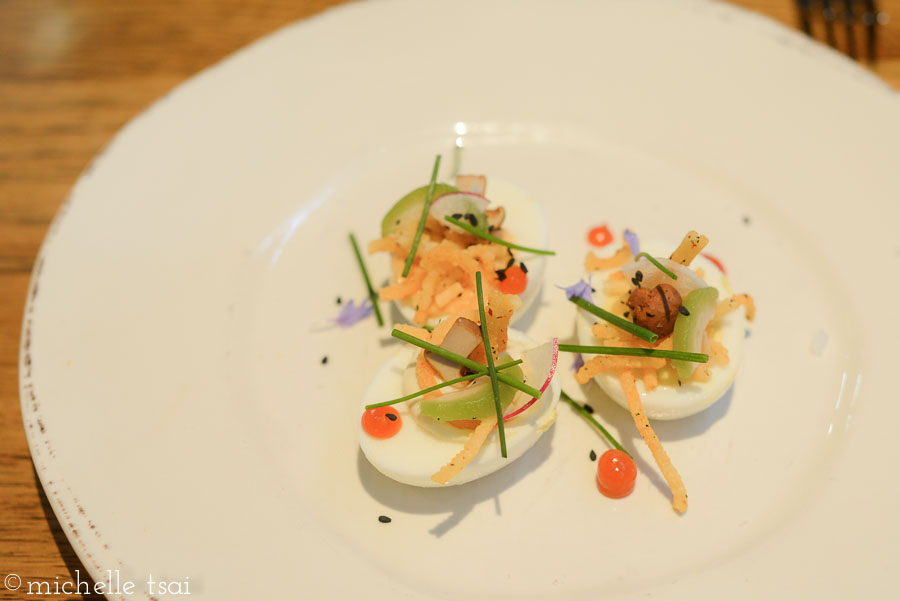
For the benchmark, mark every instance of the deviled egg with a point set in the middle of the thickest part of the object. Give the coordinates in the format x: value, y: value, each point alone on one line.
x: 450, y: 435
x: 441, y: 280
x: 692, y: 313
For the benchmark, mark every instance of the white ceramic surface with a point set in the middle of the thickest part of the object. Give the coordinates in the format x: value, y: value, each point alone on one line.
x: 173, y: 394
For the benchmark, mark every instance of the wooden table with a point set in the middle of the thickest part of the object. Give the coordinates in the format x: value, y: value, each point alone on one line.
x: 71, y: 74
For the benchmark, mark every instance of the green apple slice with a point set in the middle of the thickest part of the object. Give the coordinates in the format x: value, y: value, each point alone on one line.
x: 688, y: 333
x: 476, y: 401
x: 410, y: 207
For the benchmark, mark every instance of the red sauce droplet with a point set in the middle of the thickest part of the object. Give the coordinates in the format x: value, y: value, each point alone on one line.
x: 381, y: 422
x: 600, y: 236
x: 715, y: 261
x: 515, y: 282
x: 616, y: 473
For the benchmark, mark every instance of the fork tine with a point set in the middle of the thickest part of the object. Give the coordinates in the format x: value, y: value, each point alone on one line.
x: 870, y: 19
x: 803, y: 10
x: 828, y: 14
x: 849, y: 22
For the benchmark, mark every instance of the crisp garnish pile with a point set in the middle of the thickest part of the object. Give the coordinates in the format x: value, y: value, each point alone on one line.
x: 659, y: 326
x: 439, y: 237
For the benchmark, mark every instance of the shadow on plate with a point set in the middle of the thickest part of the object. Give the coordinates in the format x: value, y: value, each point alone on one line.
x: 618, y: 421
x: 459, y: 500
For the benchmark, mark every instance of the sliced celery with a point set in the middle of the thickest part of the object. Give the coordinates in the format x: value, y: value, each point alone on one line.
x: 689, y: 329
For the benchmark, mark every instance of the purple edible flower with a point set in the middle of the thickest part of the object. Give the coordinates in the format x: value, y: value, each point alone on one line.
x: 633, y: 244
x: 351, y: 313
x: 578, y: 363
x: 582, y: 290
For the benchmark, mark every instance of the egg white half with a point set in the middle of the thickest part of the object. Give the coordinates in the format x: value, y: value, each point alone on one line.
x: 415, y: 453
x: 674, y: 402
x: 525, y: 221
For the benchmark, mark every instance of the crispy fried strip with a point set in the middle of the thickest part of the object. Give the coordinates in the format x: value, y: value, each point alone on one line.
x: 420, y: 333
x: 468, y: 452
x: 405, y: 288
x: 673, y: 479
x: 594, y: 263
x: 733, y: 303
x: 718, y: 353
x: 448, y: 294
x: 651, y: 380
x: 689, y: 248
x: 386, y: 244
x: 701, y: 374
x: 602, y: 363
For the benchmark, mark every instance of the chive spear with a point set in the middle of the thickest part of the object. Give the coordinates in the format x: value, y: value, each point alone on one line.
x: 658, y: 265
x: 495, y: 239
x: 584, y: 412
x: 464, y: 361
x: 634, y: 352
x: 619, y: 322
x: 492, y: 371
x: 459, y: 380
x: 372, y: 295
x: 425, y: 208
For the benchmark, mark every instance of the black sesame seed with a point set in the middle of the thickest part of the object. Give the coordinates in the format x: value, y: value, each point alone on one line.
x: 593, y: 289
x: 511, y: 262
x: 593, y: 455
x: 384, y: 519
x: 339, y: 301
x: 524, y: 269
x: 683, y: 310
x: 649, y: 314
x: 639, y: 276
x: 472, y: 219
x: 501, y: 274
x: 391, y: 416
x: 457, y: 216
x: 588, y: 408
x: 627, y: 313
x: 324, y: 359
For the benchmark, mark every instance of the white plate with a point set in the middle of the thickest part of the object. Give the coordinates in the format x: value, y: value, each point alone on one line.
x: 183, y: 425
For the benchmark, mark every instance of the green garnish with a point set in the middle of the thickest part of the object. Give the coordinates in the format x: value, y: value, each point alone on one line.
x: 372, y: 296
x: 634, y: 352
x: 464, y: 361
x: 689, y: 329
x: 409, y: 397
x: 428, y: 198
x: 659, y: 265
x: 584, y: 412
x: 496, y: 240
x: 492, y: 371
x: 624, y: 324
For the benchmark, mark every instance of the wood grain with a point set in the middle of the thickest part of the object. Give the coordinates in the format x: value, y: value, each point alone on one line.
x: 71, y: 74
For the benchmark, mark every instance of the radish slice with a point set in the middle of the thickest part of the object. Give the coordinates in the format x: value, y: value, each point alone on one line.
x: 465, y: 206
x: 538, y: 361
